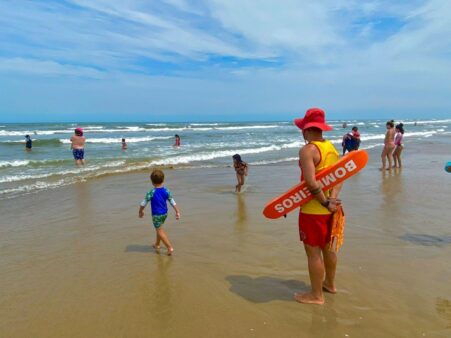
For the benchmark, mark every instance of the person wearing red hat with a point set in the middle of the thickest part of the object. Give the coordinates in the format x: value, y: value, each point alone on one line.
x: 315, y: 216
x: 78, y: 146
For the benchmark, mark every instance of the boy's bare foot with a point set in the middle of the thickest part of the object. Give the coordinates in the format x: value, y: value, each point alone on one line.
x: 170, y: 251
x: 308, y: 298
x: 328, y: 288
x: 156, y: 247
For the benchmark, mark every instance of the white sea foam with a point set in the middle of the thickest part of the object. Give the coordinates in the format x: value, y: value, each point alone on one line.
x: 281, y: 160
x: 79, y: 171
x: 16, y: 163
x: 118, y: 139
x: 421, y: 122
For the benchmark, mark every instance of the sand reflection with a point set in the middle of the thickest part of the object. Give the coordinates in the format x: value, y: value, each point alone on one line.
x: 241, y: 212
x: 160, y: 299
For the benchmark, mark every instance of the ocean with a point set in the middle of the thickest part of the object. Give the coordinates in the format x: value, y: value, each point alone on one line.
x: 50, y: 164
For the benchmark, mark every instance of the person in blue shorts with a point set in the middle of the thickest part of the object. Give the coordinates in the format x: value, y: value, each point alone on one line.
x: 158, y: 198
x: 78, y: 146
x: 28, y: 143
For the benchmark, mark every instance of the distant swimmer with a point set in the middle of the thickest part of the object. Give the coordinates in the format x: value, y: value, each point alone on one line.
x: 78, y: 146
x: 124, y: 144
x: 241, y: 169
x: 28, y: 143
x: 177, y: 141
x: 344, y: 125
x: 389, y: 146
x: 398, y: 145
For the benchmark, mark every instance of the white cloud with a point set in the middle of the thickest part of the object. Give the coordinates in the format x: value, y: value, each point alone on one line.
x: 46, y: 68
x: 335, y: 53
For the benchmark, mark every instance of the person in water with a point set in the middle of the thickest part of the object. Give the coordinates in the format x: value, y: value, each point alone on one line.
x: 241, y: 170
x: 124, y: 144
x: 351, y: 141
x: 78, y: 146
x: 389, y: 146
x: 177, y: 141
x: 356, y: 136
x: 28, y: 143
x: 398, y: 145
x: 158, y: 198
x: 316, y: 215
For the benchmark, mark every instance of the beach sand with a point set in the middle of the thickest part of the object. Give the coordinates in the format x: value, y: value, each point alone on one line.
x: 77, y: 261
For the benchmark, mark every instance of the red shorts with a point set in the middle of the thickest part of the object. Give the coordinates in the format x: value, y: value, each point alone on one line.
x: 315, y: 230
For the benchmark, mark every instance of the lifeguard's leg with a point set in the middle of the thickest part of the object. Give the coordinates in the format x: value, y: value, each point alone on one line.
x: 316, y: 273
x: 330, y: 264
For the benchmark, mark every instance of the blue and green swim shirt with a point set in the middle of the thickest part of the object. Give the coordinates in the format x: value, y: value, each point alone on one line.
x: 158, y: 198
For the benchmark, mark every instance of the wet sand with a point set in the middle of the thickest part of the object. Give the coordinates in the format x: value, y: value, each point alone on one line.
x: 77, y: 261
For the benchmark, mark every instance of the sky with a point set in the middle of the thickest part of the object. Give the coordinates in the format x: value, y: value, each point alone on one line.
x: 223, y: 60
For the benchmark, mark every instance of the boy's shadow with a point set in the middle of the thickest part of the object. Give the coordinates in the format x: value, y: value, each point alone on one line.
x: 265, y: 289
x: 139, y: 248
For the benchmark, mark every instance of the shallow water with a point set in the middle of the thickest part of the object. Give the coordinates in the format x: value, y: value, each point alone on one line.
x: 51, y: 165
x: 77, y: 261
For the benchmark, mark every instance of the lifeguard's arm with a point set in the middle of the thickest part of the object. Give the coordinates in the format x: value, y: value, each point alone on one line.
x: 307, y: 158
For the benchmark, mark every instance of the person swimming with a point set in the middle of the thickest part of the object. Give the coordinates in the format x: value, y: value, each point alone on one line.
x: 28, y: 143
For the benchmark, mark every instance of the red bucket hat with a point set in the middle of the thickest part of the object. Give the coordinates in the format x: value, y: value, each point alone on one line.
x: 314, y: 117
x: 79, y: 131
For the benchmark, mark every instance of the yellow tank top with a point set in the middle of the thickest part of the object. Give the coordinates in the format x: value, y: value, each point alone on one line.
x: 329, y: 155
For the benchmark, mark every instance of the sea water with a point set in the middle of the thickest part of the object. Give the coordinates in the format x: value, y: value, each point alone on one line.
x: 50, y: 164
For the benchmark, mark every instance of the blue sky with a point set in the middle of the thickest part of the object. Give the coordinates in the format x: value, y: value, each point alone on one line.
x: 180, y: 60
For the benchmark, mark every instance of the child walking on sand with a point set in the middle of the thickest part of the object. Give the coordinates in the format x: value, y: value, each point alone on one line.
x: 158, y: 198
x: 241, y: 170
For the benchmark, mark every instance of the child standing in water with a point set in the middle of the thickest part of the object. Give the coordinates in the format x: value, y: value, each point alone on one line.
x: 124, y: 144
x: 389, y: 146
x: 398, y: 144
x: 177, y: 141
x: 241, y: 170
x: 158, y: 198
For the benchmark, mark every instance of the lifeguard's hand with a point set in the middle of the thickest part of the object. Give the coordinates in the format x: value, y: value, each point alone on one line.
x: 332, y: 207
x: 141, y: 214
x: 177, y: 215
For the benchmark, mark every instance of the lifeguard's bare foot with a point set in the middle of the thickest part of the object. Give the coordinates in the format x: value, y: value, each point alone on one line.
x: 156, y: 247
x: 170, y: 251
x: 308, y: 298
x: 329, y: 288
